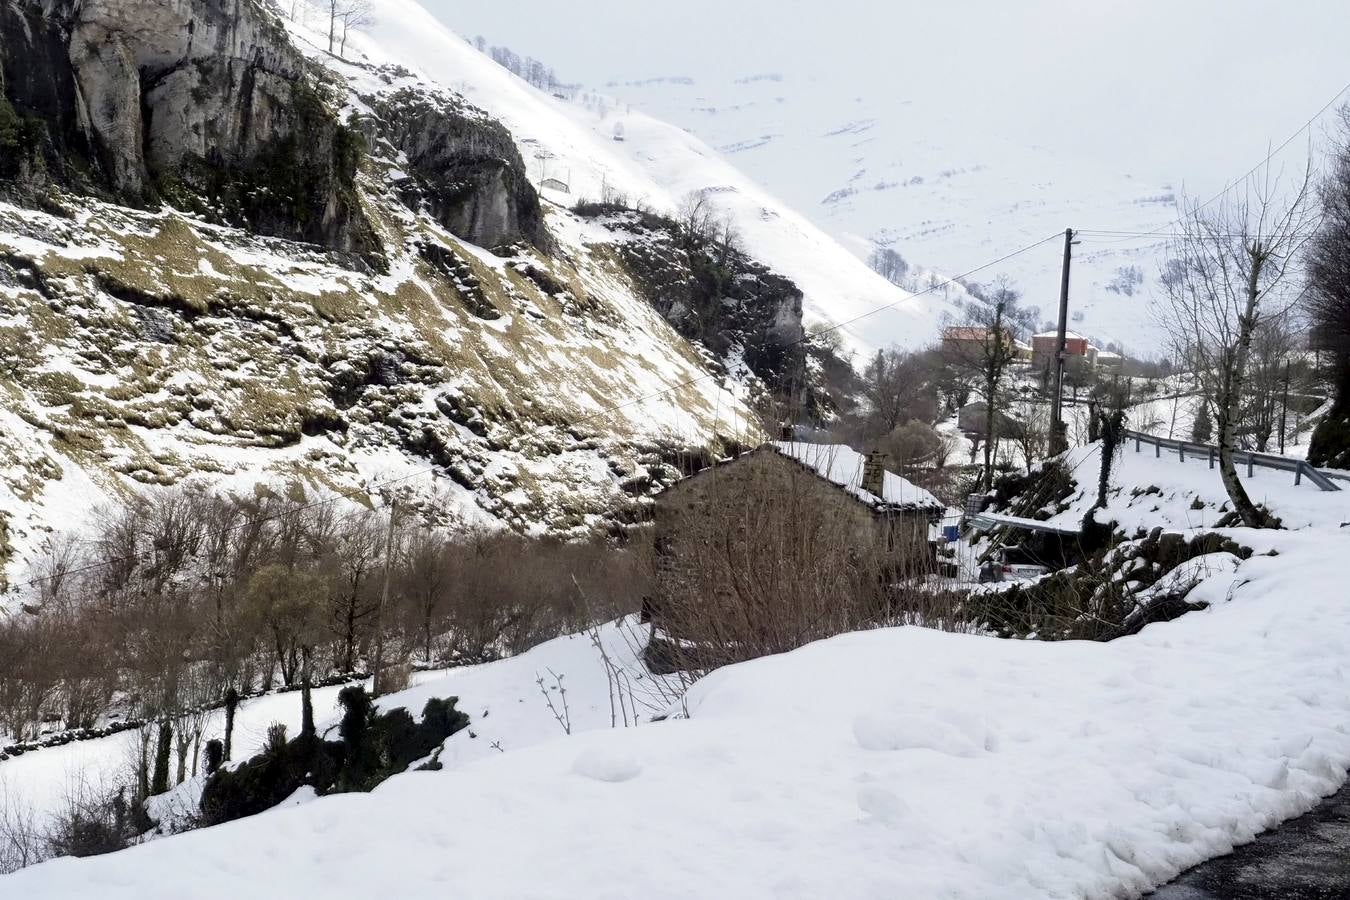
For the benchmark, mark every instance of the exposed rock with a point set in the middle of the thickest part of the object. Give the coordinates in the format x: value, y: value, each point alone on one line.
x: 465, y: 168
x: 202, y: 102
x: 747, y: 315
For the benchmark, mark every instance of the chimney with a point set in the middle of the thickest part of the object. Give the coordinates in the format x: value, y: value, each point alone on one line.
x: 874, y: 474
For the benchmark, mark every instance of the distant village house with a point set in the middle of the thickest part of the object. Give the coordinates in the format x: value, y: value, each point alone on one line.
x: 973, y: 341
x: 1043, y: 348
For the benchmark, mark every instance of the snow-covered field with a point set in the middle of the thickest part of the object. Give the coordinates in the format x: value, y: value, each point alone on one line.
x: 503, y: 700
x: 898, y: 762
x: 44, y: 780
x: 1150, y: 491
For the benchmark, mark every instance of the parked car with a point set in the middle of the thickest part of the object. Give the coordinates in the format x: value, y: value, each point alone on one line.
x: 1023, y: 571
x: 1012, y: 564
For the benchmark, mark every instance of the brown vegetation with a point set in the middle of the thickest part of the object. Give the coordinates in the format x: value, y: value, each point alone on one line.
x: 178, y: 600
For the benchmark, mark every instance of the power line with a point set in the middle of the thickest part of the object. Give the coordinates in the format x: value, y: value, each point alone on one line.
x: 637, y: 401
x: 1269, y: 156
x: 1161, y: 234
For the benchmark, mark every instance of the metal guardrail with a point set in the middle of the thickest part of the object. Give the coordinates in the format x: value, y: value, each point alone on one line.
x: 1324, y: 479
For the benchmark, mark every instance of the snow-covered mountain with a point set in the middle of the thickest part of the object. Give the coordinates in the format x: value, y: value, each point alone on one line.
x: 228, y: 257
x: 655, y: 164
x: 957, y: 133
x: 905, y: 176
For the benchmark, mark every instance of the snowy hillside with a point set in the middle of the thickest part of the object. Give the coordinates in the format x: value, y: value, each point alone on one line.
x: 905, y: 176
x: 656, y: 164
x: 956, y: 133
x: 198, y: 341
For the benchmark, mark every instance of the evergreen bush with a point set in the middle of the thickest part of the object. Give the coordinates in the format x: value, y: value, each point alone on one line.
x: 215, y: 755
x: 373, y: 746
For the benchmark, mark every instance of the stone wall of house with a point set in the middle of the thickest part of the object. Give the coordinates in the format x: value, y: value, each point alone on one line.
x: 694, y: 511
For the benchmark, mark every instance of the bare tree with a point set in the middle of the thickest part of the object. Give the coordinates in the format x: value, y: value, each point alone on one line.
x: 898, y: 387
x: 285, y: 602
x: 1032, y: 432
x: 351, y: 15
x: 889, y: 264
x: 426, y: 584
x: 1270, y: 365
x: 1234, y: 266
x: 698, y: 217
x: 984, y: 354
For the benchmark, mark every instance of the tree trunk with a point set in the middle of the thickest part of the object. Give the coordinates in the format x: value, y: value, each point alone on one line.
x: 1231, y: 401
x: 426, y: 635
x: 231, y: 704
x: 989, y: 413
x: 307, y: 728
x: 159, y: 781
x: 184, y: 743
x: 143, y: 765
x: 349, y: 635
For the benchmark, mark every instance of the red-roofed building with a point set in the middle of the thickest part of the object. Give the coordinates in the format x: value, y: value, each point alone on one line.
x: 1043, y: 348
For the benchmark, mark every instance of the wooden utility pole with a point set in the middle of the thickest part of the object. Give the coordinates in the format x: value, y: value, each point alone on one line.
x: 377, y: 677
x: 1284, y: 407
x: 1059, y: 432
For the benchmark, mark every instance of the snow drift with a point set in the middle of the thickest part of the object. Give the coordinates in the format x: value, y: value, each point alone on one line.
x: 890, y: 763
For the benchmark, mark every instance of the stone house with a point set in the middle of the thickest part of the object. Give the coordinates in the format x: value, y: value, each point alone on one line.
x: 872, y: 510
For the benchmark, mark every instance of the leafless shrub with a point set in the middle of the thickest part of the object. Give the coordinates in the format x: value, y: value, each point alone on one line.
x: 189, y: 595
x: 21, y: 841
x: 560, y: 710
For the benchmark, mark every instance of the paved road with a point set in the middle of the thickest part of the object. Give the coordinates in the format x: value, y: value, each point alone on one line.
x: 1307, y: 858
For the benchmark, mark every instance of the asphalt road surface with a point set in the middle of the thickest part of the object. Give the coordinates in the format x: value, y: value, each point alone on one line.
x: 1307, y: 858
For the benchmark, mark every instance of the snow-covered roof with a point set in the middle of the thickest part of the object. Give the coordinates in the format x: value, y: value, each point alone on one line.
x: 1107, y: 354
x: 1068, y: 335
x: 842, y: 465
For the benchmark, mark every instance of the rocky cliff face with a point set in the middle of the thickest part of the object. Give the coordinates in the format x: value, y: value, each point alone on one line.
x: 204, y: 103
x: 464, y: 167
x: 208, y: 104
x: 749, y: 317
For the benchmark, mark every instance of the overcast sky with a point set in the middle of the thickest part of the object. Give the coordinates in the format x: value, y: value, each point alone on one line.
x: 1187, y: 90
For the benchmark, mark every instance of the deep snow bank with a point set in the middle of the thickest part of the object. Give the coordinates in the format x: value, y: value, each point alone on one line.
x: 889, y: 763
